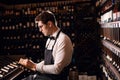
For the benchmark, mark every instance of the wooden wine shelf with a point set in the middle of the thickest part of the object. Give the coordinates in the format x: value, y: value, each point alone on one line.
x: 115, y: 24
x: 112, y: 68
x: 111, y: 47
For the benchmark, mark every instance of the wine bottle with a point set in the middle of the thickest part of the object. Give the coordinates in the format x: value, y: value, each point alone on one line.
x: 73, y: 73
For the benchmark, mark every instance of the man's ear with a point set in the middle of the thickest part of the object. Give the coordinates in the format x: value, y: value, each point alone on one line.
x: 50, y: 23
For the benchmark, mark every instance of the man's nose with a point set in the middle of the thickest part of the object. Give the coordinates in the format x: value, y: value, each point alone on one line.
x: 40, y: 29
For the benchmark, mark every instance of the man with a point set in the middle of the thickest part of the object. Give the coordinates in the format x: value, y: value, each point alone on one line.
x: 58, y: 51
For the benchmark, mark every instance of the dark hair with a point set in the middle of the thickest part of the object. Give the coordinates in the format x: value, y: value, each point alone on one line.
x: 46, y: 16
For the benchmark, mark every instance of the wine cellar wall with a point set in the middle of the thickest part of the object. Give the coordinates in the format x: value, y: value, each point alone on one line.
x: 109, y: 11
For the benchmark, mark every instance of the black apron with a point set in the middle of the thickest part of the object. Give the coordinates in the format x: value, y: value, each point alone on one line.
x: 49, y: 60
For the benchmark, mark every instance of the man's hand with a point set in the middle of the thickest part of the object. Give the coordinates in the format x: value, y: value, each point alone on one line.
x: 27, y: 63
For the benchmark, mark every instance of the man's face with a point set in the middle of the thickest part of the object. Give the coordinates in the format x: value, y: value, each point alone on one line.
x: 44, y: 28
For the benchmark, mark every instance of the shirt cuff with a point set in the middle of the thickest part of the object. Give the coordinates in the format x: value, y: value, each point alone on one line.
x: 39, y: 66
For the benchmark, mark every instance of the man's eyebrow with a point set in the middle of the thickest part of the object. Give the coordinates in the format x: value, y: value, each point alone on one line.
x: 40, y: 26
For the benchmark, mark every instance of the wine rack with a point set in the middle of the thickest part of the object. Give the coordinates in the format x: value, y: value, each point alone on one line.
x: 19, y: 35
x: 87, y: 41
x: 109, y: 70
x: 110, y: 29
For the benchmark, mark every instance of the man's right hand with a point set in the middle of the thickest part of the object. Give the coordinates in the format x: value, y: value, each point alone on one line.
x: 27, y: 63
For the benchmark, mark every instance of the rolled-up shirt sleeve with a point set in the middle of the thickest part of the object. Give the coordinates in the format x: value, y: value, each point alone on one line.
x: 39, y: 66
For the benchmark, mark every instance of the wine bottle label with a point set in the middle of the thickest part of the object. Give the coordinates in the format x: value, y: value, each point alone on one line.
x: 114, y: 16
x: 118, y: 16
x: 83, y: 77
x: 91, y: 78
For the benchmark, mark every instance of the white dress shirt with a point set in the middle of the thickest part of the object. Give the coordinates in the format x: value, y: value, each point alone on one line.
x: 62, y: 54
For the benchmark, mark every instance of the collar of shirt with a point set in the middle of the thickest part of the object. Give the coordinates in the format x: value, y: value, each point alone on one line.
x: 50, y: 42
x: 54, y: 35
